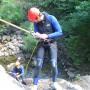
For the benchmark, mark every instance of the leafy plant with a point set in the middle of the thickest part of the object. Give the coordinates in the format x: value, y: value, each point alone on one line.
x: 76, y: 27
x: 11, y: 10
x: 30, y: 43
x: 2, y: 29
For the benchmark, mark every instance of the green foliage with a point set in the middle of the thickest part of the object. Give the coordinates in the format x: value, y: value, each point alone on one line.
x: 11, y: 10
x: 29, y: 40
x: 77, y: 25
x: 27, y: 25
x: 30, y: 43
x: 58, y: 8
x: 2, y: 29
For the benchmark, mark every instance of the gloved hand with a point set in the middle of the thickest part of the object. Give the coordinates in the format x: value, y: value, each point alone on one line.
x: 44, y: 36
x: 41, y: 36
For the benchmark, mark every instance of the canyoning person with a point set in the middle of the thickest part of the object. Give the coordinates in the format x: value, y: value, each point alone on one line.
x: 47, y: 29
x: 17, y: 71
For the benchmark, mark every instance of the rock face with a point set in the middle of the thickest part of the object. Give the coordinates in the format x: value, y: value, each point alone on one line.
x: 10, y: 45
x: 46, y: 84
x: 84, y: 82
x: 7, y: 82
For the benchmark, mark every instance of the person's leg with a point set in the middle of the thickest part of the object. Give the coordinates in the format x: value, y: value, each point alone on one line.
x: 53, y: 54
x: 22, y: 80
x: 39, y: 60
x: 12, y: 74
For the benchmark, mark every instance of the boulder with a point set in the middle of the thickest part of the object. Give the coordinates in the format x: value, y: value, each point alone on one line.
x: 84, y: 82
x: 7, y: 38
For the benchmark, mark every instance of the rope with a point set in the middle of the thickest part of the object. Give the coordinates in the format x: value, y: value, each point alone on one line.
x: 30, y: 58
x: 4, y: 21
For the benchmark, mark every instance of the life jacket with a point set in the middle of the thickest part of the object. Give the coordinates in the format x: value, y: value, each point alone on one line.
x: 45, y: 26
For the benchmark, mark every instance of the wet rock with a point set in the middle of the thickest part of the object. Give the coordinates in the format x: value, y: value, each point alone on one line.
x: 6, y: 54
x: 1, y: 53
x: 1, y: 45
x: 6, y: 38
x: 14, y: 37
x: 84, y: 82
x: 10, y: 66
x: 3, y: 49
x: 46, y: 84
x: 19, y: 37
x: 12, y: 47
x: 71, y: 72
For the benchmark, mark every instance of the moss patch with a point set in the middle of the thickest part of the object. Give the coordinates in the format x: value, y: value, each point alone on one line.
x: 5, y: 60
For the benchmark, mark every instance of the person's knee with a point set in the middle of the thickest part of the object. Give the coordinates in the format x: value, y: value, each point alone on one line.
x: 54, y: 63
x: 39, y: 63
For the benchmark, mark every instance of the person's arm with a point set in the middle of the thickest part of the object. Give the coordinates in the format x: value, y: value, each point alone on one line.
x: 22, y: 70
x: 56, y: 26
x: 39, y: 35
x: 35, y: 28
x: 13, y: 72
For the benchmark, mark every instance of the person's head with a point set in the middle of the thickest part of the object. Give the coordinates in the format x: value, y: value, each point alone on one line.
x: 17, y: 64
x: 34, y: 15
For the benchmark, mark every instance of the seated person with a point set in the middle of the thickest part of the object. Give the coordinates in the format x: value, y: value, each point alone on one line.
x: 18, y: 72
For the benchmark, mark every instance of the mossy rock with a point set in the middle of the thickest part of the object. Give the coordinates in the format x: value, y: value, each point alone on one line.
x: 5, y: 60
